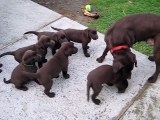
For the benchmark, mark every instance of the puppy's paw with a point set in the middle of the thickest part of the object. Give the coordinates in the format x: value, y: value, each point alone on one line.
x: 45, y: 60
x: 87, y: 54
x: 24, y: 88
x: 151, y: 79
x: 0, y: 70
x: 121, y: 91
x: 97, y: 101
x: 57, y: 76
x: 109, y: 84
x: 66, y: 76
x: 87, y: 47
x: 1, y: 64
x: 51, y: 95
x: 151, y: 58
x: 100, y: 60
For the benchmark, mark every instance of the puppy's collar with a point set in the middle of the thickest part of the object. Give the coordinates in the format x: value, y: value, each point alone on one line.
x: 118, y: 48
x: 28, y: 65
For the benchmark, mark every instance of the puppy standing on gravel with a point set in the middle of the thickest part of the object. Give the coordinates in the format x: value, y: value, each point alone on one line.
x: 19, y: 77
x: 51, y: 69
x: 80, y: 36
x: 40, y: 47
x: 58, y: 38
x: 111, y: 75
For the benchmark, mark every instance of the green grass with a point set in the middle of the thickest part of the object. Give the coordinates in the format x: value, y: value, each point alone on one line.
x: 112, y: 10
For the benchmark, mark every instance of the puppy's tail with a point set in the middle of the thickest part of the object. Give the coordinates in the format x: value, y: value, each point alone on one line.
x: 56, y: 28
x: 32, y: 32
x: 88, y: 90
x: 7, y: 53
x: 7, y: 82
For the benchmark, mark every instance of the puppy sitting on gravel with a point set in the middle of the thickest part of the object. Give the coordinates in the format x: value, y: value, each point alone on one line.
x: 19, y: 75
x: 40, y: 47
x: 80, y: 36
x: 111, y: 75
x: 51, y: 69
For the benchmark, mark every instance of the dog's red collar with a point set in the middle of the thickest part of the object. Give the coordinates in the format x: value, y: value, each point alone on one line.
x: 118, y: 48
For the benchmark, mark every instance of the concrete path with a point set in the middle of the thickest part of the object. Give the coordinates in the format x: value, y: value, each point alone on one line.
x: 70, y: 101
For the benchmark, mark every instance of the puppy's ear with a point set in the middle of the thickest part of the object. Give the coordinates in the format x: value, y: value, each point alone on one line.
x: 117, y: 66
x: 92, y: 34
x: 132, y: 56
x: 67, y: 52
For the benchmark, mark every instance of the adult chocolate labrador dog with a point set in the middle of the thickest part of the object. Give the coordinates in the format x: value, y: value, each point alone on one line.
x: 80, y: 36
x: 19, y: 77
x: 129, y: 30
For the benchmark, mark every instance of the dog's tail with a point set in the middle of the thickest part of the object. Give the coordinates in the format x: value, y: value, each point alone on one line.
x: 7, y: 53
x: 7, y: 82
x: 32, y: 32
x: 88, y: 89
x: 57, y: 29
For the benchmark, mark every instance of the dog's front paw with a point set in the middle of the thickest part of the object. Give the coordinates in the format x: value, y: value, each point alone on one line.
x: 100, y: 59
x: 1, y: 64
x: 66, y: 76
x: 87, y: 54
x: 97, y: 101
x: 121, y: 90
x: 151, y: 79
x: 51, y: 95
x: 24, y: 88
x: 151, y: 58
x: 109, y: 84
x: 57, y: 76
x: 45, y: 60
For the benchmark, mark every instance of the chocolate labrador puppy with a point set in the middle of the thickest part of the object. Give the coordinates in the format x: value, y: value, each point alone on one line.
x: 51, y: 69
x: 18, y: 77
x: 111, y: 75
x: 129, y: 30
x: 156, y: 53
x: 58, y: 38
x: 40, y: 47
x: 80, y: 36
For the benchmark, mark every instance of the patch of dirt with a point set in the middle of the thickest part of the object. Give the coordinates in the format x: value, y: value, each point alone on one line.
x: 68, y: 8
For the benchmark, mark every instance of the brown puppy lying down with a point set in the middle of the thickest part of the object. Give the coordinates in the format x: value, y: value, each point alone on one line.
x: 18, y: 77
x: 111, y: 75
x: 58, y: 38
x: 131, y: 29
x: 156, y: 54
x: 80, y: 36
x: 51, y: 69
x: 40, y: 47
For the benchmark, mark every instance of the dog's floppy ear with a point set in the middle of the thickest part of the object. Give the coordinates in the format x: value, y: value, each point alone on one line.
x: 117, y: 66
x: 132, y: 56
x: 92, y: 34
